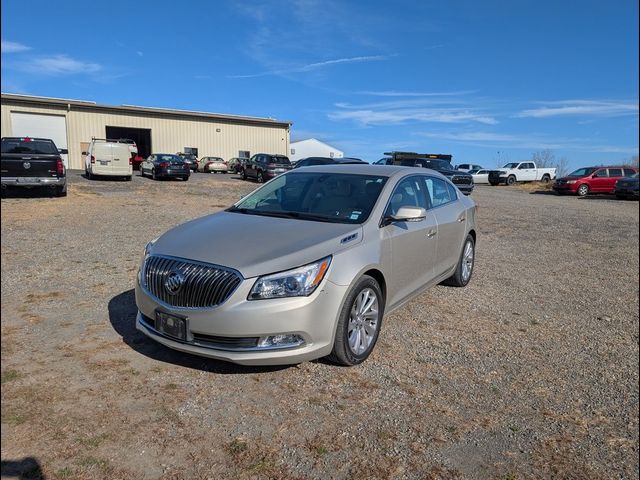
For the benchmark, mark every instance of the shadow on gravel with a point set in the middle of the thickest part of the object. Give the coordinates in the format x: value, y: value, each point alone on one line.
x: 34, y: 192
x: 27, y: 468
x: 545, y: 192
x: 122, y: 315
x: 602, y: 196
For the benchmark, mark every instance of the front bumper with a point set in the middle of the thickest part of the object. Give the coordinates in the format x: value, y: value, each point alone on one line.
x: 172, y: 173
x: 564, y: 187
x: 313, y: 318
x: 33, y: 181
x: 465, y: 188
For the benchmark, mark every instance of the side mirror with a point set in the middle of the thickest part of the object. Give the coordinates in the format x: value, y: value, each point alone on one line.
x: 84, y: 153
x: 63, y: 151
x: 406, y: 214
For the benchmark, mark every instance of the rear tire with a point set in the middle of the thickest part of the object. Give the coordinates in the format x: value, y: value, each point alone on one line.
x: 244, y: 175
x: 185, y: 179
x: 511, y: 180
x: 260, y: 178
x: 127, y: 178
x: 494, y: 184
x: 466, y: 262
x: 545, y: 179
x: 583, y: 190
x: 359, y: 323
x: 61, y: 191
x: 153, y: 174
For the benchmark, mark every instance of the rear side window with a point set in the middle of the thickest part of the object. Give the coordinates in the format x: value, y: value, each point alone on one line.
x: 438, y: 192
x: 615, y: 172
x: 629, y: 172
x: 34, y: 147
x: 453, y: 193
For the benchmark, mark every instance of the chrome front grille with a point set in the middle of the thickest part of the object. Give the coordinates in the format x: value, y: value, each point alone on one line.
x: 462, y: 180
x: 188, y: 284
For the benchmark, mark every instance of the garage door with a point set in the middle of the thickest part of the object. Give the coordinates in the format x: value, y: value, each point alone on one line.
x: 41, y: 126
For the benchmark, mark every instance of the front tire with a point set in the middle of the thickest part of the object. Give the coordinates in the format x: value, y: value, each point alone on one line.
x: 260, y: 178
x: 583, y: 190
x: 153, y: 174
x: 244, y: 175
x: 359, y: 323
x: 466, y: 262
x: 511, y: 180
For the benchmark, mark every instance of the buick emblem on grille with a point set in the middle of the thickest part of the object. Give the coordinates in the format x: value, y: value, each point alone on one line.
x: 174, y: 281
x: 27, y: 165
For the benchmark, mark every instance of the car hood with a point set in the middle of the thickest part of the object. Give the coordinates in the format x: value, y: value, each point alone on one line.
x: 255, y: 245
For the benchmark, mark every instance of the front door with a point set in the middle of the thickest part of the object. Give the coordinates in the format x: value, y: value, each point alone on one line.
x: 600, y: 181
x: 411, y: 246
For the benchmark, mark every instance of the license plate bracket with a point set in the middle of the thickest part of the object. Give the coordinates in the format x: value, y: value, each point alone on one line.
x: 172, y: 325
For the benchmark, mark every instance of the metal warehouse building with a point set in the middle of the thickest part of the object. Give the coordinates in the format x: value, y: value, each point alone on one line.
x: 72, y: 123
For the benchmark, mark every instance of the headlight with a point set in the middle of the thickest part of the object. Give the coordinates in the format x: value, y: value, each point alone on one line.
x: 148, y: 246
x: 571, y: 182
x: 299, y: 282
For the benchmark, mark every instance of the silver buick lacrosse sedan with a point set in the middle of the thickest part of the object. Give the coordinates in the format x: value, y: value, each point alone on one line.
x: 312, y: 261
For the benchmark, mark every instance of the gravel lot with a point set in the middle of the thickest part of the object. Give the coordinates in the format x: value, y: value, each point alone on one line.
x: 530, y: 372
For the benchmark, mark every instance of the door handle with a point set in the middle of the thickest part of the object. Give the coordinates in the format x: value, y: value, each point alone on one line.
x: 461, y: 219
x: 431, y: 234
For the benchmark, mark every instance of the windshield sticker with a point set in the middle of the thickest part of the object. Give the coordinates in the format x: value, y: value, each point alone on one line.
x: 355, y: 215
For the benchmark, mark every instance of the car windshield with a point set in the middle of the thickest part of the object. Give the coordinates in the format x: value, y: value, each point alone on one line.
x: 170, y: 158
x: 511, y: 165
x: 582, y: 172
x: 35, y: 147
x: 315, y: 196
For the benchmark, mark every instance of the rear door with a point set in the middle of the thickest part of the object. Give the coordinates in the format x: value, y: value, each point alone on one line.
x: 615, y: 174
x: 450, y: 218
x: 102, y: 156
x: 120, y: 155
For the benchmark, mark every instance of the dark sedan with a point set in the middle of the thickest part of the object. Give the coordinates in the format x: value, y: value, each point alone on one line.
x: 165, y: 165
x: 310, y: 161
x: 627, y: 187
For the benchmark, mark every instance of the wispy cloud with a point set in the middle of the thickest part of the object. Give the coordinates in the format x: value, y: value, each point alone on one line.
x: 582, y: 108
x: 58, y: 65
x: 431, y: 108
x: 139, y: 53
x: 315, y: 66
x: 527, y: 141
x: 393, y: 93
x: 13, y: 47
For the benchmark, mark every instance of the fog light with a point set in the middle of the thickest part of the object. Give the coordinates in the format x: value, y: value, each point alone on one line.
x: 283, y: 340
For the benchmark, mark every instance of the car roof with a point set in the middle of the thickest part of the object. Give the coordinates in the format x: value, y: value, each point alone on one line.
x: 369, y: 169
x: 613, y: 166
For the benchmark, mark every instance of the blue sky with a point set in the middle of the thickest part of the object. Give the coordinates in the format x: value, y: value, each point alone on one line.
x: 488, y: 81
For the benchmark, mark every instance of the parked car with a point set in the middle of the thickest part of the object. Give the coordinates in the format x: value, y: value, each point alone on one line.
x: 479, y: 176
x: 462, y: 180
x: 592, y: 180
x: 136, y: 160
x: 310, y: 161
x: 165, y: 165
x: 33, y: 162
x: 236, y: 164
x: 467, y: 167
x: 339, y: 246
x: 263, y: 167
x: 514, y: 172
x: 108, y: 158
x: 190, y: 160
x: 627, y: 187
x: 212, y: 165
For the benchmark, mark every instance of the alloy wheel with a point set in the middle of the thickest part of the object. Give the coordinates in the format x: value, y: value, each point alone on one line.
x: 363, y: 321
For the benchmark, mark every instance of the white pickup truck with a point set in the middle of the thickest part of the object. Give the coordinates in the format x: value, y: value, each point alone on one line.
x: 521, y: 172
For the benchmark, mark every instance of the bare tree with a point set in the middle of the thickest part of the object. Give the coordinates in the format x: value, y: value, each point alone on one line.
x: 634, y: 161
x: 562, y: 167
x: 544, y: 158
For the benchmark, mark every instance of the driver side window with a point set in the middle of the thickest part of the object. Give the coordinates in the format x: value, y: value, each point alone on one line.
x: 601, y: 173
x: 410, y: 192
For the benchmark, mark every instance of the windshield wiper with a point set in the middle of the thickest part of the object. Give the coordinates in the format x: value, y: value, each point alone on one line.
x: 286, y: 214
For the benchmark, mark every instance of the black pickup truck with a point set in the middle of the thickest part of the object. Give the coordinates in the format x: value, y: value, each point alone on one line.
x: 33, y: 162
x: 439, y: 162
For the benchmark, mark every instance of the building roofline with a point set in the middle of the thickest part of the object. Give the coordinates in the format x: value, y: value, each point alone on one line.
x: 33, y: 99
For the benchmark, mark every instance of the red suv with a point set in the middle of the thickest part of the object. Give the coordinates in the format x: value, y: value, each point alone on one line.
x: 592, y: 180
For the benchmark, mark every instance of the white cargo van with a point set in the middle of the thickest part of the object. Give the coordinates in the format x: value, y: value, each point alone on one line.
x: 108, y: 158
